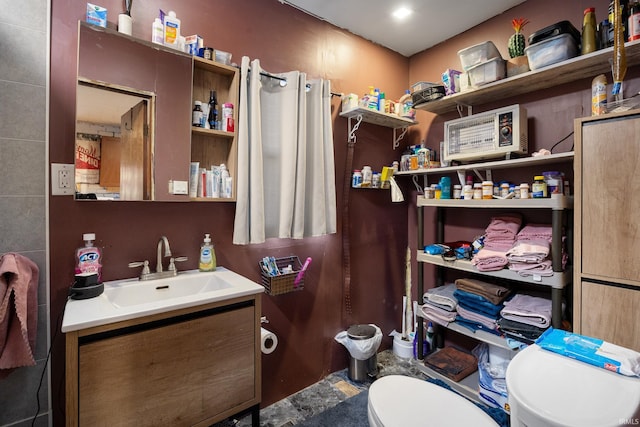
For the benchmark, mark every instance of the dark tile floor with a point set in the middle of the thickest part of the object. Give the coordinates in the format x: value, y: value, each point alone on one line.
x: 324, y: 394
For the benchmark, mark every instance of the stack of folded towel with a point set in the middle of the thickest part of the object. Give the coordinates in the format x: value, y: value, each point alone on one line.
x: 500, y: 236
x: 440, y: 304
x: 479, y: 304
x: 530, y: 254
x: 525, y: 317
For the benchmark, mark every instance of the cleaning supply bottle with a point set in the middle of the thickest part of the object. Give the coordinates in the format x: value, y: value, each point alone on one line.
x: 89, y: 257
x: 430, y: 338
x: 171, y: 30
x: 406, y: 106
x: 207, y: 255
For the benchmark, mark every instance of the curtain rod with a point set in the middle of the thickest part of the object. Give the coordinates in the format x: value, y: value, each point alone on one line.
x: 283, y: 81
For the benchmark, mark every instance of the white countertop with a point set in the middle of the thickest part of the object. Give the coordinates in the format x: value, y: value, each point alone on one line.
x: 87, y: 313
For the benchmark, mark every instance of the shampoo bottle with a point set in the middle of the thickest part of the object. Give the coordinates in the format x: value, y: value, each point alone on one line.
x: 89, y: 258
x: 207, y: 255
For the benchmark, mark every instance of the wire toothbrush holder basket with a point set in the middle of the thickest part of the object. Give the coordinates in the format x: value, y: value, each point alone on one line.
x: 284, y: 281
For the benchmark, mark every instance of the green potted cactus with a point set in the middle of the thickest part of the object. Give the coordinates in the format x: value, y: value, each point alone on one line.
x: 518, y: 63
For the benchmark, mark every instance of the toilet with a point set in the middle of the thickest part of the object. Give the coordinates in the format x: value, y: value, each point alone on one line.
x: 401, y: 401
x: 551, y: 390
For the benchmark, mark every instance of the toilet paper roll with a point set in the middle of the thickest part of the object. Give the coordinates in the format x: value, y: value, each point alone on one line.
x: 268, y: 341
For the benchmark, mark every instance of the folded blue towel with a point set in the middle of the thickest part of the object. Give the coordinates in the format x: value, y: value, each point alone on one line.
x: 478, y: 303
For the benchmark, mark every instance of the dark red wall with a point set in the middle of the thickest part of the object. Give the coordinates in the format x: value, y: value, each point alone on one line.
x: 305, y: 322
x: 286, y: 39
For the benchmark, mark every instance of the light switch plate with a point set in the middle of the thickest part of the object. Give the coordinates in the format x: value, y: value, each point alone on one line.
x: 62, y: 179
x: 178, y: 187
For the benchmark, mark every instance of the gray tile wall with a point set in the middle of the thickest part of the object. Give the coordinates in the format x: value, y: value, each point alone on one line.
x: 24, y: 394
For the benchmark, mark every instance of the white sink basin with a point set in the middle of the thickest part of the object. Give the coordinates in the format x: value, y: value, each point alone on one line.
x: 128, y: 294
x: 130, y: 298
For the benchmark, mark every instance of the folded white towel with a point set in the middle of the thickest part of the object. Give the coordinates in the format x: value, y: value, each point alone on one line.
x: 532, y: 251
x: 443, y: 296
x: 528, y: 309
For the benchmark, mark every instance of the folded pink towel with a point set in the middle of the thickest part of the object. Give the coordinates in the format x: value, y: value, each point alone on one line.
x: 531, y: 251
x: 437, y: 314
x: 529, y: 310
x: 489, y: 260
x: 18, y: 312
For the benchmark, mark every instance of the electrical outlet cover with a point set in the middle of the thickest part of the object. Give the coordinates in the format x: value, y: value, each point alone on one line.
x: 62, y: 179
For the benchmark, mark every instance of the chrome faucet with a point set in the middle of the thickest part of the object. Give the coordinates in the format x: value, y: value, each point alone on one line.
x: 160, y: 273
x: 167, y: 252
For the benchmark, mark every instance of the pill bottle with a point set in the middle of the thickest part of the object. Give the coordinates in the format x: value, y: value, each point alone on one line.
x: 196, y: 114
x: 375, y: 180
x: 539, y: 187
x: 524, y: 190
x: 504, y: 189
x: 487, y: 190
x: 367, y: 176
x: 438, y: 192
x: 429, y: 193
x: 467, y: 192
x: 477, y: 191
x: 457, y: 191
x: 356, y: 180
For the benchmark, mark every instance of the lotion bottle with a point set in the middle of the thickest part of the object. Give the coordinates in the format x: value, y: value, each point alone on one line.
x: 157, y: 32
x: 171, y: 30
x: 207, y: 255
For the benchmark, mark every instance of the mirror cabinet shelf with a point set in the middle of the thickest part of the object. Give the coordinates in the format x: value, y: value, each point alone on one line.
x: 133, y: 118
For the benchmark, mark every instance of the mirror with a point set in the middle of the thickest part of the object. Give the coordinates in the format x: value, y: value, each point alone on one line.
x: 133, y: 108
x: 113, y: 144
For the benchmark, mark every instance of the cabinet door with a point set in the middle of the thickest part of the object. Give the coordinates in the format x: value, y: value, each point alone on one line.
x: 610, y: 206
x: 611, y: 313
x: 179, y: 374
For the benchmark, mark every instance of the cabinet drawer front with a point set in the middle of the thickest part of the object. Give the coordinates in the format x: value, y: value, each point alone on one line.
x: 179, y: 374
x: 610, y: 231
x: 611, y: 313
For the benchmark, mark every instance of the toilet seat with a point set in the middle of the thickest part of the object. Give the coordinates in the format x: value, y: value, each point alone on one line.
x: 548, y: 389
x: 401, y: 401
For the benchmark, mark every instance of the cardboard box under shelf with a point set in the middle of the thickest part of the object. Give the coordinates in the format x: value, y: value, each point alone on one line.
x: 283, y: 283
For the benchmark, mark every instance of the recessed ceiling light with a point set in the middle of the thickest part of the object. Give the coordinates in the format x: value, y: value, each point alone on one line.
x: 402, y: 13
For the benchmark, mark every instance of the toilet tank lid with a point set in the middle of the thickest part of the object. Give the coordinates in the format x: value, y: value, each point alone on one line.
x: 564, y: 391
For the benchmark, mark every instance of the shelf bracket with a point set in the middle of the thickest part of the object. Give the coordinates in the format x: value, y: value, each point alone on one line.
x: 486, y: 178
x: 354, y: 128
x: 460, y: 106
x: 397, y: 138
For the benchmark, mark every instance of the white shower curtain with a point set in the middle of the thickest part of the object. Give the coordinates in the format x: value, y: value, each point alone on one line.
x: 286, y: 172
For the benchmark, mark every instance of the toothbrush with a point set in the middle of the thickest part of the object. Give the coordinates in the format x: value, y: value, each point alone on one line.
x: 301, y: 273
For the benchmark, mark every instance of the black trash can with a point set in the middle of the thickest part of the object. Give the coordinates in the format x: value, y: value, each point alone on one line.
x: 360, y: 370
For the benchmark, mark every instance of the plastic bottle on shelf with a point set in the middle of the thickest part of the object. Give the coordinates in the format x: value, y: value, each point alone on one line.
x: 599, y: 95
x: 207, y: 255
x: 213, y: 110
x: 196, y: 114
x: 445, y: 187
x: 157, y: 32
x: 633, y: 23
x: 171, y: 30
x: 430, y: 338
x: 589, y: 31
x: 89, y: 257
x: 406, y: 106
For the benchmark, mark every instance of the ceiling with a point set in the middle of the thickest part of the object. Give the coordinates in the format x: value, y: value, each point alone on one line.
x: 432, y: 21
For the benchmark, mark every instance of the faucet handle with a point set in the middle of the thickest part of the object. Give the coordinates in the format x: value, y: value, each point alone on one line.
x: 172, y: 261
x: 144, y: 264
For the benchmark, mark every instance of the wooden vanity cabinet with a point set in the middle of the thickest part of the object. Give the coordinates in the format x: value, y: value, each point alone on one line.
x: 190, y: 367
x: 607, y: 236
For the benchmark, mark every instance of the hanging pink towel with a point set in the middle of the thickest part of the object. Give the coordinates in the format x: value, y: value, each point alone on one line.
x: 18, y: 312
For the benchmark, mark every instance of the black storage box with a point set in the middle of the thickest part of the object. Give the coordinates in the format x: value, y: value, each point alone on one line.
x: 562, y: 27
